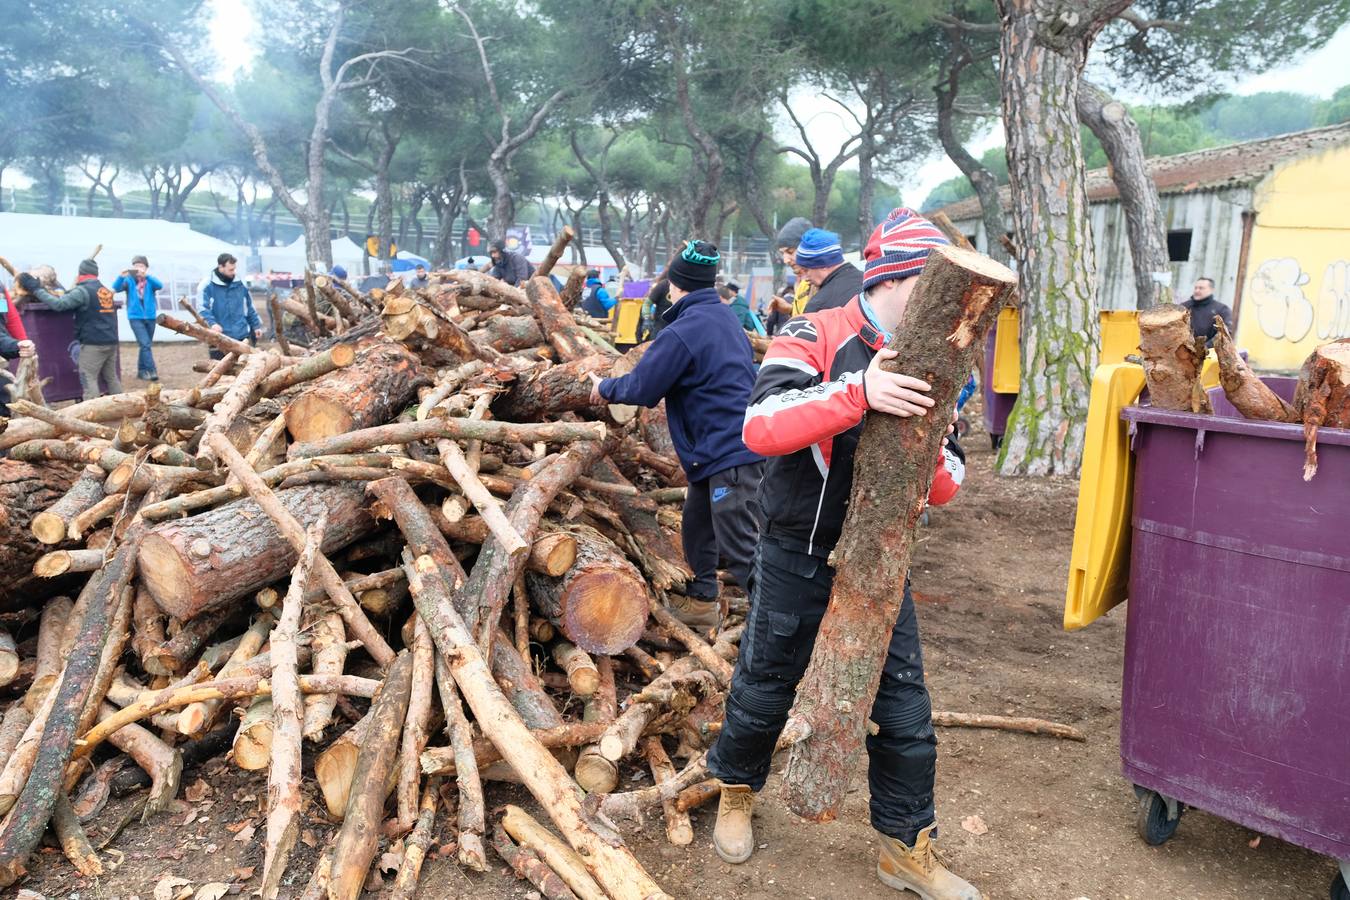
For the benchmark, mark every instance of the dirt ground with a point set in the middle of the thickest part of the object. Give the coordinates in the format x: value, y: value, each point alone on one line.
x: 989, y: 575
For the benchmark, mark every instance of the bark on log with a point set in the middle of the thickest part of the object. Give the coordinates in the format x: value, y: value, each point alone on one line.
x: 61, y: 562
x: 507, y: 334
x: 614, y: 867
x: 1243, y: 388
x: 1322, y: 399
x: 556, y: 855
x: 416, y: 728
x: 582, y: 674
x: 294, y: 533
x: 1173, y: 358
x: 51, y: 631
x: 679, y: 831
x: 954, y: 303
x: 334, y: 767
x: 555, y: 252
x: 359, y: 837
x: 16, y: 722
x: 213, y: 339
x: 600, y: 604
x: 74, y: 842
x: 659, y: 551
x: 418, y: 843
x: 527, y: 865
x: 557, y: 321
x: 565, y: 387
x: 25, y: 492
x: 371, y: 390
x: 339, y: 356
x: 175, y: 655
x: 329, y: 646
x: 23, y: 829
x: 200, y: 563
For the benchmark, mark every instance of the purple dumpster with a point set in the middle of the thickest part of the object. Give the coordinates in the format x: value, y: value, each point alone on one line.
x: 1237, y: 642
x: 54, y: 334
x: 997, y: 406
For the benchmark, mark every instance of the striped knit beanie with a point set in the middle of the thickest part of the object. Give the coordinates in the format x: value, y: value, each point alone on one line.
x: 819, y: 249
x: 899, y: 247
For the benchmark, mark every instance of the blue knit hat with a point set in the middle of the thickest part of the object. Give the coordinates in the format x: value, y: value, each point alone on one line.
x: 819, y: 249
x: 899, y: 247
x: 339, y: 272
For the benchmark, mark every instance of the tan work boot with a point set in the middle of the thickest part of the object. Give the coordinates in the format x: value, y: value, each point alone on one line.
x: 733, y: 836
x: 700, y: 615
x: 918, y: 869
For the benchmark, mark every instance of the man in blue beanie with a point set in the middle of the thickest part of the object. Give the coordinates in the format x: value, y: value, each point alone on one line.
x: 702, y: 366
x: 821, y: 260
x: 338, y: 272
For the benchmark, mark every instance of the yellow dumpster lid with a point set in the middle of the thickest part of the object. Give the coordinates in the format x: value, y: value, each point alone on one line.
x: 1099, y: 567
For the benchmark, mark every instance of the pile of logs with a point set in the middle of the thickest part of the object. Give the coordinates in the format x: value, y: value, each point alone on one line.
x: 416, y: 524
x: 1173, y: 359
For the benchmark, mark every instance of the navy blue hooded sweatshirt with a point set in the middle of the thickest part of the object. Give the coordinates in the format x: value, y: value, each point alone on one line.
x: 702, y: 365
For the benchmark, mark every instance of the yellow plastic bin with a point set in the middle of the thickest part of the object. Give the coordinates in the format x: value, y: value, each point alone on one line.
x: 627, y: 321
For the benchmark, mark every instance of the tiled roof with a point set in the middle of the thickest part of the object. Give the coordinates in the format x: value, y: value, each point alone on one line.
x: 1215, y: 167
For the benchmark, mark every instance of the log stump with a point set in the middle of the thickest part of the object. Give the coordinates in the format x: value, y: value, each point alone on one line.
x: 370, y: 391
x: 600, y: 604
x: 1173, y: 359
x: 1323, y: 396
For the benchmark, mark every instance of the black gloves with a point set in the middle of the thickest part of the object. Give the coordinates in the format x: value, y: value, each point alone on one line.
x: 28, y: 282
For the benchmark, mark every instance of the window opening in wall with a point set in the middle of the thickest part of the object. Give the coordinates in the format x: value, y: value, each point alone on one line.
x: 1179, y: 245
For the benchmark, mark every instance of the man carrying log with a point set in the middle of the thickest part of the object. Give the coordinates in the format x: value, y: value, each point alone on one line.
x: 702, y: 366
x: 818, y: 379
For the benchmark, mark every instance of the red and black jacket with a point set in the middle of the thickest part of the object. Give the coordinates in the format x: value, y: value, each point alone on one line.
x: 806, y: 414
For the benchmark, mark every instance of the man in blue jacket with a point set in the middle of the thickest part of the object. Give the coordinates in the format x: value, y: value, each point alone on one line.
x: 702, y: 366
x: 142, y: 310
x: 227, y: 305
x: 595, y: 300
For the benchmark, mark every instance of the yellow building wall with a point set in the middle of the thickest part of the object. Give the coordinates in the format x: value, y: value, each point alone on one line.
x: 1297, y: 294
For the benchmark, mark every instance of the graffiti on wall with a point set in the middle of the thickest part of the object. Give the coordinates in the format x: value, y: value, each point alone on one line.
x: 1283, y: 309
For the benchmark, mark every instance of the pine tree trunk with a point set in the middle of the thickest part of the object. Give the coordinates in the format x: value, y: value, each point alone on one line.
x: 955, y: 302
x: 1044, y: 48
x: 1112, y: 124
x: 980, y: 178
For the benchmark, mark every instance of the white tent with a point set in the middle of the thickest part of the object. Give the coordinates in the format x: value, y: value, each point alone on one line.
x: 178, y: 256
x: 291, y: 257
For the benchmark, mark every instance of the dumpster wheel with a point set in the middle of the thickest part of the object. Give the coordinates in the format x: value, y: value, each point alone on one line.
x: 1339, y: 891
x: 1158, y: 817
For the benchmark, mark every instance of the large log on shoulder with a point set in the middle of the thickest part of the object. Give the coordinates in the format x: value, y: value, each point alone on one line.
x: 600, y: 604
x: 955, y: 301
x: 384, y: 377
x: 204, y: 561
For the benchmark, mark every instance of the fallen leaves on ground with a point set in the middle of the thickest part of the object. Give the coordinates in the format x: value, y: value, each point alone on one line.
x: 171, y: 887
x: 975, y: 825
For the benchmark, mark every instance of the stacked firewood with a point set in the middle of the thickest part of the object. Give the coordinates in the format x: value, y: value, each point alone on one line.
x: 411, y: 552
x: 1173, y: 359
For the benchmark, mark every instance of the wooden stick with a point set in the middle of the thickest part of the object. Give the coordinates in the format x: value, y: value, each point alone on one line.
x: 278, y: 323
x: 520, y: 600
x: 84, y: 521
x: 329, y: 645
x: 191, y: 308
x: 204, y: 334
x: 51, y: 628
x: 61, y: 562
x: 452, y: 429
x: 240, y: 394
x: 441, y: 760
x: 555, y: 252
x: 487, y: 505
x: 264, y: 441
x: 16, y: 722
x: 697, y: 646
x: 557, y: 855
x: 19, y: 763
x: 283, y: 782
x: 223, y: 365
x: 1007, y: 723
x: 416, y: 846
x: 446, y: 386
x: 348, y: 607
x: 527, y: 865
x: 49, y: 526
x: 472, y: 818
x: 161, y: 762
x: 63, y: 423
x: 359, y: 837
x: 74, y: 843
x: 196, y: 718
x: 336, y: 357
x: 415, y: 728
x: 678, y: 828
x: 614, y: 867
x: 582, y: 674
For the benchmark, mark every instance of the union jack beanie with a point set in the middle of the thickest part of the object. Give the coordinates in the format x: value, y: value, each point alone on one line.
x: 899, y: 247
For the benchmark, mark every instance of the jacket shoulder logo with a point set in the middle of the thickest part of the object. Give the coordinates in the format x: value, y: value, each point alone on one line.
x: 105, y: 300
x: 800, y: 328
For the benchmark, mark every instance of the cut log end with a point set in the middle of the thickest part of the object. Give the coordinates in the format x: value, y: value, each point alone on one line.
x: 312, y: 418
x: 604, y: 612
x: 49, y: 528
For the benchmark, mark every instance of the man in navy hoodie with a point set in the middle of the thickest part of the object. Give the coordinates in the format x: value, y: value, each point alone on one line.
x: 702, y: 366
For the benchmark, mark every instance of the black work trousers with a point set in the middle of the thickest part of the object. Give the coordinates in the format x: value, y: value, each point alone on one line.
x: 788, y: 596
x: 721, y: 520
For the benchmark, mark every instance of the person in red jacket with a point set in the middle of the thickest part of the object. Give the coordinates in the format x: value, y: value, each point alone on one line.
x: 13, y: 323
x: 820, y: 378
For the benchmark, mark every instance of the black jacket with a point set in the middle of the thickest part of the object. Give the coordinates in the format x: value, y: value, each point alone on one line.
x: 95, y: 308
x: 513, y: 268
x: 843, y: 285
x: 1202, y: 317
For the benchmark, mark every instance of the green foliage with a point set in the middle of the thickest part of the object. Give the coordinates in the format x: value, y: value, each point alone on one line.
x: 1335, y: 110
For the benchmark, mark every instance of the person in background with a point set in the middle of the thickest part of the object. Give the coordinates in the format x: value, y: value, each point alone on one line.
x: 701, y: 365
x: 1204, y: 306
x: 420, y: 279
x: 12, y: 346
x: 658, y: 301
x: 819, y: 380
x: 821, y: 260
x: 227, y: 306
x: 780, y: 310
x: 95, y: 308
x: 13, y: 321
x: 595, y: 299
x: 789, y: 236
x: 47, y: 276
x: 338, y: 272
x: 508, y: 265
x: 731, y: 296
x: 142, y: 310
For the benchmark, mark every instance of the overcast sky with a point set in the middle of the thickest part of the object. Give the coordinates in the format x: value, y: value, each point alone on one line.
x: 1318, y: 73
